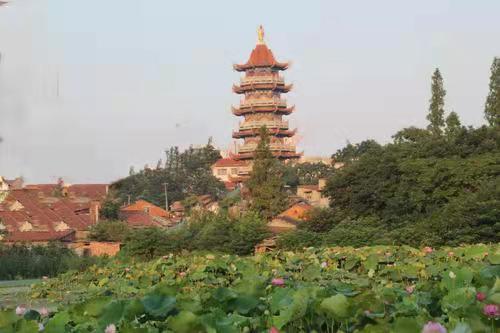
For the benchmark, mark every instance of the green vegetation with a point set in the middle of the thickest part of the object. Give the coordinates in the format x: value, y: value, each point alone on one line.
x: 185, y: 173
x: 435, y: 186
x: 492, y: 107
x: 109, y: 231
x: 23, y: 262
x: 205, y: 231
x: 373, y: 289
x: 266, y: 186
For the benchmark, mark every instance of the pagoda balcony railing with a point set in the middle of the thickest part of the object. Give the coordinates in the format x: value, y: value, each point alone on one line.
x: 265, y: 102
x: 248, y: 148
x: 247, y: 125
x: 262, y: 80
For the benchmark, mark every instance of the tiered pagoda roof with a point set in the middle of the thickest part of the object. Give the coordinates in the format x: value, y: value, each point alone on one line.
x: 261, y: 56
x: 262, y: 105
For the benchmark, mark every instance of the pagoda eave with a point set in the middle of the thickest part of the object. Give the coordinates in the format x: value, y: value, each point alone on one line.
x: 284, y: 133
x: 256, y: 109
x: 277, y: 154
x: 248, y: 66
x: 241, y: 89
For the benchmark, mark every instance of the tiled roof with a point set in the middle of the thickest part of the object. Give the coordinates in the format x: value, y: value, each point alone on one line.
x: 143, y: 205
x: 229, y: 162
x: 141, y: 219
x: 296, y: 211
x: 261, y: 56
x: 90, y: 191
x: 34, y: 214
x: 310, y: 187
x: 39, y: 236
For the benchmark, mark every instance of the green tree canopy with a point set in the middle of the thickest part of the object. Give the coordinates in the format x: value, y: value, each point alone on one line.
x: 492, y: 107
x: 266, y: 186
x: 436, y: 107
x: 186, y: 173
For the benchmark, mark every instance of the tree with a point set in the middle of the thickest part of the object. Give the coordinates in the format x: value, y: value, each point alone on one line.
x: 109, y: 231
x: 266, y: 186
x: 186, y: 173
x: 453, y: 125
x: 436, y: 107
x: 492, y: 106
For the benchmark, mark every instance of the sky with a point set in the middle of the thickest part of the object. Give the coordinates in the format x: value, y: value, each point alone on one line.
x: 90, y: 88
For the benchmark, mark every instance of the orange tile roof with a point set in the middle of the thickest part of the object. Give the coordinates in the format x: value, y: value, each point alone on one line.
x: 141, y: 219
x: 297, y: 211
x: 143, y: 205
x: 261, y: 56
x: 44, y: 214
x: 229, y: 162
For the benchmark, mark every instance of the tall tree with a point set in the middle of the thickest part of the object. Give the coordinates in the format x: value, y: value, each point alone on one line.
x: 436, y: 107
x: 492, y: 107
x: 266, y: 186
x: 453, y: 125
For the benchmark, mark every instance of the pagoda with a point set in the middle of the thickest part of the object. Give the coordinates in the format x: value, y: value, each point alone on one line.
x: 263, y: 105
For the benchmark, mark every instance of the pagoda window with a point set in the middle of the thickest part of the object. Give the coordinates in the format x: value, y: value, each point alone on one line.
x: 234, y: 171
x: 222, y: 172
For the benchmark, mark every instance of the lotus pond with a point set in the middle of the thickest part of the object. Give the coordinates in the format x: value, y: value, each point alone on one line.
x: 373, y: 289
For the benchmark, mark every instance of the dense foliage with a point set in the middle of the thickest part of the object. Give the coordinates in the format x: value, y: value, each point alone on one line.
x: 305, y: 173
x: 435, y: 186
x: 492, y: 105
x: 205, y: 231
x: 266, y: 185
x: 376, y: 289
x: 109, y: 231
x: 184, y: 173
x: 23, y: 262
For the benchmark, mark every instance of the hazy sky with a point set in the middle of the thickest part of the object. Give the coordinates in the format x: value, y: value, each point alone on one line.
x: 89, y: 88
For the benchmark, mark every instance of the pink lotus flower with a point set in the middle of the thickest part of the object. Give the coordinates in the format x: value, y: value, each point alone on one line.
x: 480, y: 296
x: 44, y: 312
x: 432, y: 327
x: 164, y: 257
x: 428, y: 249
x: 491, y: 311
x: 45, y: 277
x: 127, y: 269
x: 110, y: 329
x: 21, y: 310
x: 410, y: 289
x: 278, y: 282
x: 451, y: 254
x: 324, y: 264
x: 273, y: 330
x: 182, y: 274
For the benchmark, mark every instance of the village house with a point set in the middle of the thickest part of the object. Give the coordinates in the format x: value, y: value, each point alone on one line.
x: 231, y: 171
x: 290, y: 218
x: 142, y: 214
x: 50, y: 212
x: 314, y: 194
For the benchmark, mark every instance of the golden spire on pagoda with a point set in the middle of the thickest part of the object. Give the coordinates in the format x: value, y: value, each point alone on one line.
x: 260, y: 35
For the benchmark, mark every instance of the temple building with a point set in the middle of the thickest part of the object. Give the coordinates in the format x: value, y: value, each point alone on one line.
x: 262, y: 104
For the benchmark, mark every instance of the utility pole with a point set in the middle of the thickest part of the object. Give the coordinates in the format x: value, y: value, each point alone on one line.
x: 166, y: 196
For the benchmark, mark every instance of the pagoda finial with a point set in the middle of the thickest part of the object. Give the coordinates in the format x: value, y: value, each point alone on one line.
x: 260, y: 35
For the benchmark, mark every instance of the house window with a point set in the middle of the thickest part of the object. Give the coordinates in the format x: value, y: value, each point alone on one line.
x: 222, y: 172
x: 234, y: 171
